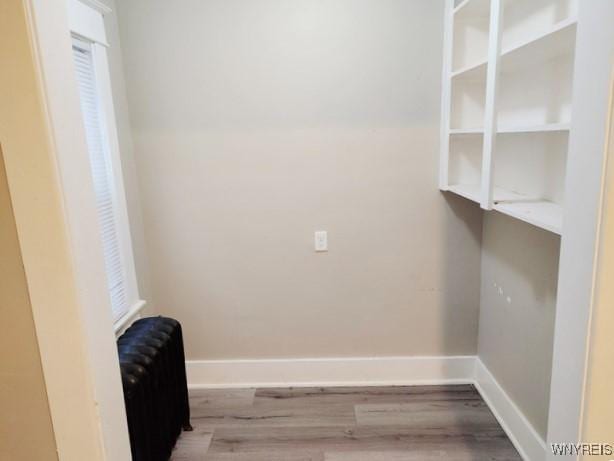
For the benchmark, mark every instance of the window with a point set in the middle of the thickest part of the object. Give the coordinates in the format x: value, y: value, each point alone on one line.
x: 102, y: 175
x: 92, y: 73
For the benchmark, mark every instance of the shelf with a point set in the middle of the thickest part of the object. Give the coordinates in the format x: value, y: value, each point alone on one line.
x: 532, y: 106
x: 545, y: 46
x: 476, y: 71
x: 468, y: 191
x: 557, y: 41
x: 461, y: 131
x: 538, y: 212
x: 545, y: 128
x: 461, y: 6
x: 470, y: 36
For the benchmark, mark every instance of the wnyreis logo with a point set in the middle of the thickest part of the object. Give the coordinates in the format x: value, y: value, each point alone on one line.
x: 582, y: 449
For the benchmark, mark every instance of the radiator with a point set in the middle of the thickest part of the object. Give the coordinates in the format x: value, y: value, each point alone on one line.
x: 152, y: 363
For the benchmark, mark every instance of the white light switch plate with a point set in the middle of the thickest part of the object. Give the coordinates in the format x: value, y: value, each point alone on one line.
x: 321, y: 241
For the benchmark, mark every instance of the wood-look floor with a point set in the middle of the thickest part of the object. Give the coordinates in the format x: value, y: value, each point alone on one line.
x: 417, y: 423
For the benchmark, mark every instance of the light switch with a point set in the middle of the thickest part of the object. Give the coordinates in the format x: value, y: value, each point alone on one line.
x: 321, y: 241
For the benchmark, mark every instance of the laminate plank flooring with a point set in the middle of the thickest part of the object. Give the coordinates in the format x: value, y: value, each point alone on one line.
x: 402, y: 423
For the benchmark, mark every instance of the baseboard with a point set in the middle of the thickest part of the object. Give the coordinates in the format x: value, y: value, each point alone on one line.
x: 376, y: 371
x: 525, y: 438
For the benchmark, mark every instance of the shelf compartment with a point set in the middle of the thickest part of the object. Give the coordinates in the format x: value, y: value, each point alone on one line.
x: 470, y: 34
x: 465, y: 165
x: 468, y: 191
x: 467, y: 104
x: 537, y: 95
x: 529, y: 176
x: 524, y: 20
x: 557, y: 41
x: 472, y: 8
x: 532, y: 164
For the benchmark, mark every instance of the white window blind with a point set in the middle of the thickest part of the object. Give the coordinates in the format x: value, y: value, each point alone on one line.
x: 102, y: 174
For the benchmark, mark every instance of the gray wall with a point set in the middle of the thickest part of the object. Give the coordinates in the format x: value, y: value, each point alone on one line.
x: 257, y: 123
x: 519, y: 262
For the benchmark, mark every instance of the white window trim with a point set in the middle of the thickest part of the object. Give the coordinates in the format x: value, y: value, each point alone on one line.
x: 125, y: 320
x: 86, y: 21
x: 97, y: 5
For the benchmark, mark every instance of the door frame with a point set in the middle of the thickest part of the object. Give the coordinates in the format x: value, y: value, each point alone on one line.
x: 49, y: 179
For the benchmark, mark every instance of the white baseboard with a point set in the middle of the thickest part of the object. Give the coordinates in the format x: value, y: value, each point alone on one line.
x: 374, y: 371
x: 525, y: 438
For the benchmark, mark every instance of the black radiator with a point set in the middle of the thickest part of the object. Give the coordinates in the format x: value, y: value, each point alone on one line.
x: 152, y: 363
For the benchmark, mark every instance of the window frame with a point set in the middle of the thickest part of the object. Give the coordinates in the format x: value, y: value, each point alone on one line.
x: 86, y: 21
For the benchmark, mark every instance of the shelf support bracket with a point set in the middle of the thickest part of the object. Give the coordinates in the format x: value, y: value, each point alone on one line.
x: 446, y: 95
x: 490, y: 106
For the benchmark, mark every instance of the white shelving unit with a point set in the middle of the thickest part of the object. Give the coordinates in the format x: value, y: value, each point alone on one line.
x: 507, y: 86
